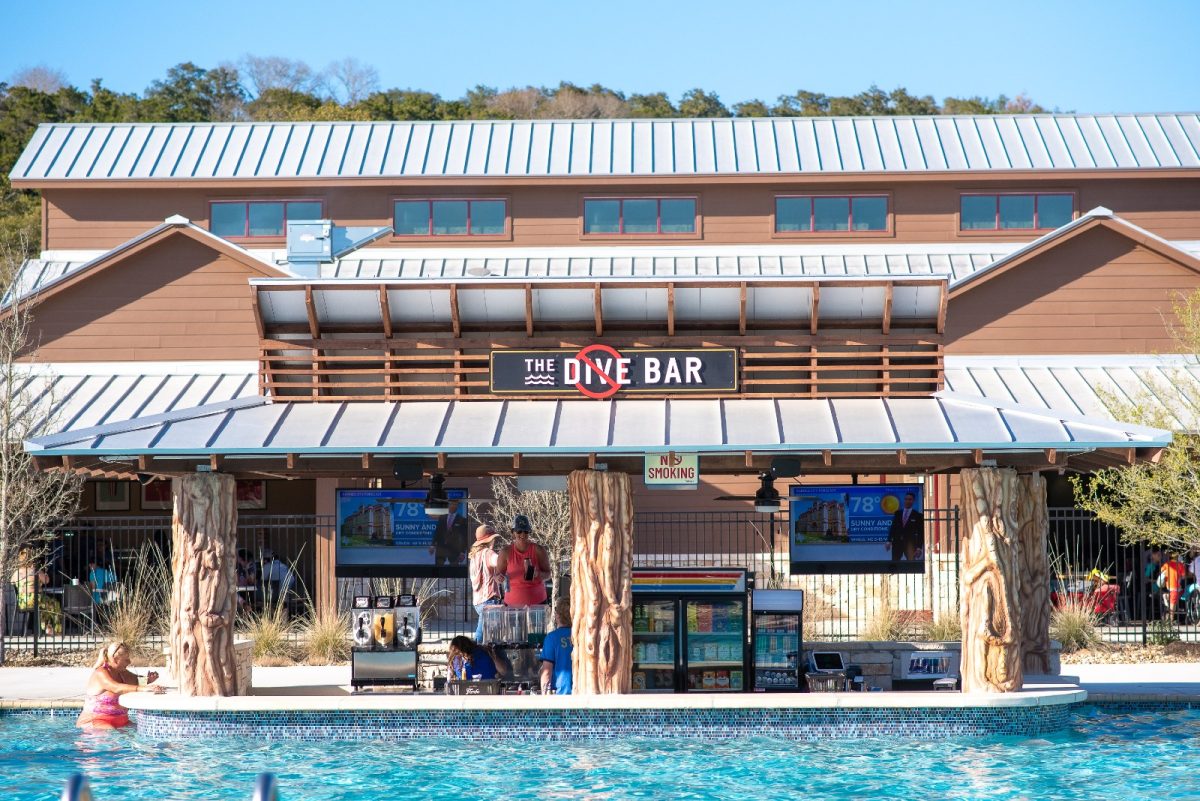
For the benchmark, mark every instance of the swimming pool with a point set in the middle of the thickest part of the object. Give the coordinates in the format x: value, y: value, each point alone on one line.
x: 1103, y: 754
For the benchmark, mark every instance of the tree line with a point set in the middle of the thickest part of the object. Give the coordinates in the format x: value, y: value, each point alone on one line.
x: 272, y: 88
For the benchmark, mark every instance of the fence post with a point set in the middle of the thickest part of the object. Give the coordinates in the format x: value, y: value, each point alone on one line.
x: 1142, y: 594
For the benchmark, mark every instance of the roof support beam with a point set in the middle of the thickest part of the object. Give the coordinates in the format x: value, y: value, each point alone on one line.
x: 214, y: 462
x: 814, y: 315
x: 529, y: 310
x: 887, y: 308
x: 671, y: 310
x: 385, y: 311
x: 827, y: 458
x: 742, y: 308
x: 902, y: 456
x: 258, y: 320
x: 314, y: 329
x: 943, y: 304
x: 598, y: 309
x: 455, y: 320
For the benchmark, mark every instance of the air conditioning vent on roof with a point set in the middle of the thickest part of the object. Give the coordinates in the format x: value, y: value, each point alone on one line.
x: 309, y: 242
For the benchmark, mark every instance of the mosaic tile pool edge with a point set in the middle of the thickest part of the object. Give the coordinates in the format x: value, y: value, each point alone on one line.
x: 603, y: 724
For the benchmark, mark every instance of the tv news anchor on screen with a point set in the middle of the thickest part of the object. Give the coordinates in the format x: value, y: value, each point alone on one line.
x: 906, y: 537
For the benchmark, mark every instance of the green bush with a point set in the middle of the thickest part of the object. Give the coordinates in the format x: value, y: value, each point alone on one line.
x: 1163, y: 632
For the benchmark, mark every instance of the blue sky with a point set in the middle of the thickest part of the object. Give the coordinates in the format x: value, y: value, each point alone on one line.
x: 1094, y: 56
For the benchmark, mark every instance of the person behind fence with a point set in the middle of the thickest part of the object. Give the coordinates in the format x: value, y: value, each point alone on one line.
x: 30, y: 580
x: 486, y: 580
x: 468, y: 660
x: 277, y: 578
x: 556, y: 653
x: 110, y: 679
x: 1170, y: 581
x: 526, y: 565
x: 101, y: 581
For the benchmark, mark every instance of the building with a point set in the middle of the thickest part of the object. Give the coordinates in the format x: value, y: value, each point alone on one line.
x: 894, y: 295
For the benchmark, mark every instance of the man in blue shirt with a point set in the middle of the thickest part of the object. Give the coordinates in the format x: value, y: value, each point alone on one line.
x: 556, y: 653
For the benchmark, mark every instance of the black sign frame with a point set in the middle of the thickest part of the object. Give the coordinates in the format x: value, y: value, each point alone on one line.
x: 508, y: 365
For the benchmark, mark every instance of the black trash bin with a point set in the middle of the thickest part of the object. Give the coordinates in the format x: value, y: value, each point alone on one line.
x: 854, y: 678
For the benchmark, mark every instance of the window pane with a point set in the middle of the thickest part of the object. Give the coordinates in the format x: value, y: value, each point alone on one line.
x: 487, y: 217
x: 1054, y: 210
x: 266, y: 219
x: 449, y: 217
x: 678, y: 216
x: 1016, y: 211
x: 228, y: 219
x: 641, y: 216
x: 306, y: 210
x: 870, y: 213
x: 977, y: 212
x: 411, y: 218
x: 793, y: 214
x: 601, y: 216
x: 831, y: 213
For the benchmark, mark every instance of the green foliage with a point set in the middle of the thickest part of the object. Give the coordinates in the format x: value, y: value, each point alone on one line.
x: 699, y: 103
x: 194, y: 94
x: 1163, y: 632
x: 1074, y: 624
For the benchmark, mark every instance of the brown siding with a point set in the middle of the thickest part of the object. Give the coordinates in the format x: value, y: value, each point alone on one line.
x: 1098, y: 293
x: 176, y: 300
x: 549, y: 215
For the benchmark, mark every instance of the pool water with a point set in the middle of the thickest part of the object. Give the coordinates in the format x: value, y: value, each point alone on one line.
x: 1102, y: 755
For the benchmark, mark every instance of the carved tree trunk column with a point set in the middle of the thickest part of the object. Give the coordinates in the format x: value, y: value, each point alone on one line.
x: 601, y: 575
x: 1035, y: 575
x: 203, y: 596
x: 991, y: 614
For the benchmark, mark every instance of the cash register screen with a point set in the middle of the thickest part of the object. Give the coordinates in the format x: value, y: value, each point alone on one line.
x: 827, y: 660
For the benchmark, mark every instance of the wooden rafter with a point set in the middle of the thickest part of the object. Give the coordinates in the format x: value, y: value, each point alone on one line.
x: 816, y: 309
x: 742, y: 292
x: 215, y: 461
x: 671, y: 309
x: 529, y: 310
x: 943, y: 305
x: 598, y: 309
x: 455, y: 320
x: 887, y: 308
x: 385, y: 311
x: 314, y: 329
x: 258, y: 320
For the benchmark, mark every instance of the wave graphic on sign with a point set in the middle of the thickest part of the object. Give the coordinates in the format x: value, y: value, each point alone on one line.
x: 540, y: 380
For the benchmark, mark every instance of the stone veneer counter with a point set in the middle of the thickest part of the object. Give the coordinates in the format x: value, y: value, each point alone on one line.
x: 803, y: 716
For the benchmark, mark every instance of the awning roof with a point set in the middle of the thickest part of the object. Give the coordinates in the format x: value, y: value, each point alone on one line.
x: 256, y: 426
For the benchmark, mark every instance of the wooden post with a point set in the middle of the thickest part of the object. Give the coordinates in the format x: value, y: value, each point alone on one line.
x: 990, y: 600
x: 1035, y: 575
x: 203, y: 594
x: 601, y: 574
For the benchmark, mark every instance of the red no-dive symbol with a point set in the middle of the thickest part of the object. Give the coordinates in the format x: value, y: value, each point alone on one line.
x: 611, y: 386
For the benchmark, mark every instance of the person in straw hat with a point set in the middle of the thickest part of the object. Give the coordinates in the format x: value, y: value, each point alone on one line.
x: 486, y: 587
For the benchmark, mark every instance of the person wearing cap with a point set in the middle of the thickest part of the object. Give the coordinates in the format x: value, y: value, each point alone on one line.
x: 526, y: 565
x: 485, y: 578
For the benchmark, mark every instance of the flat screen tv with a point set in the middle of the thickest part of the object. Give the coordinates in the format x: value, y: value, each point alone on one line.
x: 856, y: 528
x: 385, y: 532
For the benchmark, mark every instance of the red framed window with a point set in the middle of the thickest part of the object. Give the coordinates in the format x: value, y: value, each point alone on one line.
x: 804, y: 214
x: 450, y: 217
x: 1013, y: 211
x: 248, y: 219
x: 639, y: 216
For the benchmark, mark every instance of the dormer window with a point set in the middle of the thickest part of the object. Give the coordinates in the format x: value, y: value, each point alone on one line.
x: 266, y: 219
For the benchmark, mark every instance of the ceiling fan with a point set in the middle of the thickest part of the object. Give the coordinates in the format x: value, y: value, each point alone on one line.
x: 766, y: 498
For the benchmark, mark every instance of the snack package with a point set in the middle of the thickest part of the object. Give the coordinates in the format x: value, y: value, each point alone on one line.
x: 709, y: 680
x: 735, y: 679
x: 722, y: 679
x: 639, y: 680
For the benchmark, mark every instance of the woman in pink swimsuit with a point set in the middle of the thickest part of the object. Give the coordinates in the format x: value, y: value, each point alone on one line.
x: 110, y: 679
x: 526, y: 565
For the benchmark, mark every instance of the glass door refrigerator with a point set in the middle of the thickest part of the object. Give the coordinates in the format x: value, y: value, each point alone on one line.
x: 776, y: 635
x: 690, y: 630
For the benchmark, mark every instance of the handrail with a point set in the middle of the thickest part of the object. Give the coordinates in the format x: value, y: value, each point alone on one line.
x: 77, y: 789
x: 265, y: 788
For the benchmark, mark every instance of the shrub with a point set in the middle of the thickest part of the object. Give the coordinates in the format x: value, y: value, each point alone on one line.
x: 271, y: 631
x: 946, y: 627
x: 1074, y: 624
x: 327, y: 637
x: 887, y: 624
x: 139, y: 609
x: 1163, y: 632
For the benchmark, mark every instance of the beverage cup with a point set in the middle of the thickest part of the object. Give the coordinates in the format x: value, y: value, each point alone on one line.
x: 529, y: 570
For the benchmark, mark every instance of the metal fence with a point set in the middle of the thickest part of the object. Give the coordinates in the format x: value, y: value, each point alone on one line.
x: 1122, y: 583
x: 837, y: 606
x: 66, y: 615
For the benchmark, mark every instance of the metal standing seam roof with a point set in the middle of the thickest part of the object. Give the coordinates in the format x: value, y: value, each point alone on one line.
x: 257, y: 426
x: 1079, y: 384
x: 489, y: 148
x: 85, y: 394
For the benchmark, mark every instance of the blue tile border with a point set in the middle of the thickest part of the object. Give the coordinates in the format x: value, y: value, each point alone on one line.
x: 564, y: 725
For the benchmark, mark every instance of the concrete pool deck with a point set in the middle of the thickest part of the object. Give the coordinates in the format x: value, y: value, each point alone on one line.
x: 327, y: 688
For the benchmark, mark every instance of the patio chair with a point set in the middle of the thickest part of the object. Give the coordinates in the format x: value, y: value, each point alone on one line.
x: 78, y: 607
